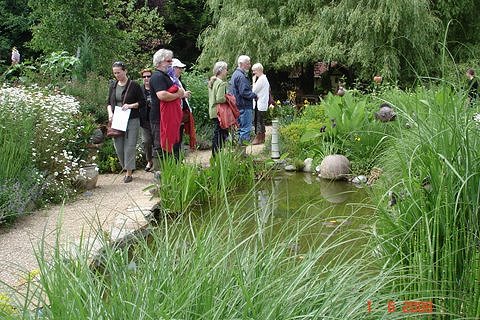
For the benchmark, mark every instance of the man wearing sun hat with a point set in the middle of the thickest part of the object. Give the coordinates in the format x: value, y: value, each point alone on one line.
x: 188, y: 124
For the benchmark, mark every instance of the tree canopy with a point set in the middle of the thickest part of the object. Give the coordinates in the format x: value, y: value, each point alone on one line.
x: 398, y: 38
x: 111, y: 29
x: 15, y: 23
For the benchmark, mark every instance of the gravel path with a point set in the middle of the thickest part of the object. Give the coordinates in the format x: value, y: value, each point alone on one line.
x: 110, y: 206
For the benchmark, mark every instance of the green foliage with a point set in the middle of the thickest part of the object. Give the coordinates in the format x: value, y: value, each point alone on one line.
x: 365, y: 147
x: 109, y: 30
x: 180, y: 187
x: 19, y: 182
x: 345, y: 113
x: 58, y: 66
x: 184, y: 185
x: 15, y: 22
x: 185, y: 19
x: 49, y: 147
x: 143, y: 29
x: 196, y: 82
x: 92, y: 94
x: 225, y: 265
x: 432, y: 170
x: 107, y: 160
x: 228, y: 171
x: 291, y: 136
x: 462, y: 18
x: 389, y: 37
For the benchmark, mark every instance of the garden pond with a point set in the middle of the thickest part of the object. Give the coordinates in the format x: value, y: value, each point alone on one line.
x: 296, y: 210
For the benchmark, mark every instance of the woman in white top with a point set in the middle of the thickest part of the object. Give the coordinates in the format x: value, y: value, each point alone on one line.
x: 262, y: 89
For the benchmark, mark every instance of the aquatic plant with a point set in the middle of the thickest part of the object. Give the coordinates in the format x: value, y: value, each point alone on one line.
x: 431, y: 228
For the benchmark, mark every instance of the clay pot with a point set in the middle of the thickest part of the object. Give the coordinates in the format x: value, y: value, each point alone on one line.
x: 377, y: 79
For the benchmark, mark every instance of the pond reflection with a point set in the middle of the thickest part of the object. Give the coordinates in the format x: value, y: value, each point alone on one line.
x: 319, y: 211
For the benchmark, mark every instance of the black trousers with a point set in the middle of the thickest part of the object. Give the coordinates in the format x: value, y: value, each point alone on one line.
x: 219, y: 136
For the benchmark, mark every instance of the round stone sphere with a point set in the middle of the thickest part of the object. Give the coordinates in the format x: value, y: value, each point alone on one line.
x: 335, y: 167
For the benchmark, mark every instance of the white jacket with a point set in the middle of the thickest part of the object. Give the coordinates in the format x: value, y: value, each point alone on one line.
x: 261, y: 87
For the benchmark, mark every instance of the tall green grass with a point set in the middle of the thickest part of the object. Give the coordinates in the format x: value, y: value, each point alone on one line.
x: 433, y: 229
x: 16, y: 136
x: 184, y: 185
x: 18, y: 180
x: 215, y: 268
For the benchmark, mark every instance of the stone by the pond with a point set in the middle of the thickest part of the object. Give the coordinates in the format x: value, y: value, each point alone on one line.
x: 334, y: 167
x: 317, y: 169
x: 359, y: 179
x: 290, y: 167
x: 307, y: 165
x: 386, y: 113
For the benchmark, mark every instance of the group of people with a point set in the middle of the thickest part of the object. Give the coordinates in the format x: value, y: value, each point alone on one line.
x: 252, y: 100
x: 161, y: 109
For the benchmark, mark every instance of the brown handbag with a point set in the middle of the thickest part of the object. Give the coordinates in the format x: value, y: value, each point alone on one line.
x: 111, y: 132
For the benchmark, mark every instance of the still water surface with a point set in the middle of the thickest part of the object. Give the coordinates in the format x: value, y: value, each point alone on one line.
x: 318, y: 211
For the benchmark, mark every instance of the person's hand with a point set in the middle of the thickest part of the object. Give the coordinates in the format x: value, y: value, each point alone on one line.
x: 126, y: 107
x: 180, y: 92
x: 187, y: 94
x: 110, y: 116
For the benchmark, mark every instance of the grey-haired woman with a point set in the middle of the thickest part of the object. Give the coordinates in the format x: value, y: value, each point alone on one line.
x: 217, y: 88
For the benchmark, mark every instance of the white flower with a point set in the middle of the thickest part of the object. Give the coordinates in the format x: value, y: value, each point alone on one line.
x: 476, y: 117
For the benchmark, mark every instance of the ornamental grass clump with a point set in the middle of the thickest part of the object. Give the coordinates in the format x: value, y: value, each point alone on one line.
x: 44, y: 139
x: 227, y: 265
x: 431, y: 227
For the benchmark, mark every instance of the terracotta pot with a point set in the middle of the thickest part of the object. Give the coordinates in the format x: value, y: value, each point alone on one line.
x: 377, y: 79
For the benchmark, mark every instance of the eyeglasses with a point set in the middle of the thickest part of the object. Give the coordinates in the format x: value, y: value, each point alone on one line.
x: 146, y: 77
x: 169, y: 61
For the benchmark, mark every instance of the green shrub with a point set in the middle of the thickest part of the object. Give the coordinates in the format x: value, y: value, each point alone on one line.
x: 196, y: 82
x: 92, y: 94
x: 107, y: 160
x: 291, y: 137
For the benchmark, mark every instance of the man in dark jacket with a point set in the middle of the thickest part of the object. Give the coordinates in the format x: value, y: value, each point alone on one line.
x: 241, y: 88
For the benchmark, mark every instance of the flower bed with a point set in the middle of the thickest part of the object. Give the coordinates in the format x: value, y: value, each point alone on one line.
x: 43, y: 145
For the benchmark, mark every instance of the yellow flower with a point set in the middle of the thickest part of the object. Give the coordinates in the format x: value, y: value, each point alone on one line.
x: 33, y: 274
x: 357, y: 139
x: 305, y: 102
x: 5, y: 304
x: 277, y: 102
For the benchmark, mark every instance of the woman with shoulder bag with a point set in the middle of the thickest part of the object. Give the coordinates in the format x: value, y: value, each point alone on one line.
x: 126, y: 94
x: 217, y: 88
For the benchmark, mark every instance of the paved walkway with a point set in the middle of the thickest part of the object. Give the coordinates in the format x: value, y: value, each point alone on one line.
x: 113, y: 206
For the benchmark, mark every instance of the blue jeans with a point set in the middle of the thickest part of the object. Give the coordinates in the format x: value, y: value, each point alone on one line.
x: 245, y: 125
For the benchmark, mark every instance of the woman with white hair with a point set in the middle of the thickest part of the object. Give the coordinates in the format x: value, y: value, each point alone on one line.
x: 261, y: 87
x: 217, y: 88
